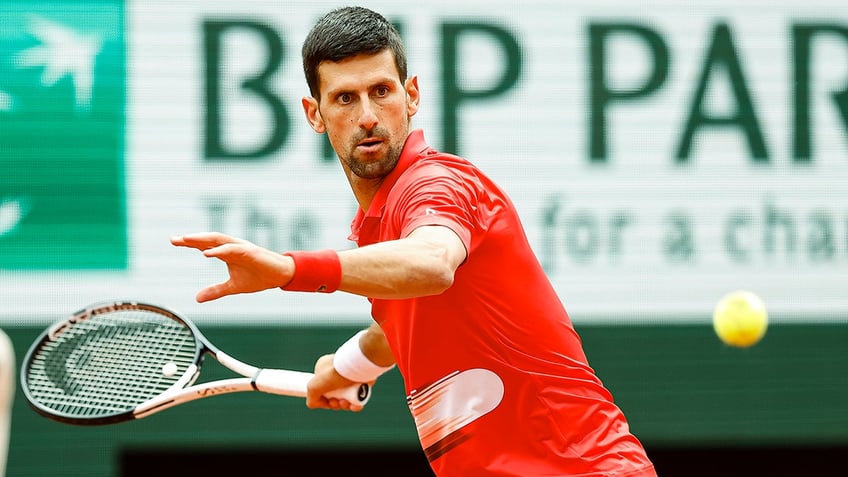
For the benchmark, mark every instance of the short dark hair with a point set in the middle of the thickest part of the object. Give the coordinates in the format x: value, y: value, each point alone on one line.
x: 346, y: 32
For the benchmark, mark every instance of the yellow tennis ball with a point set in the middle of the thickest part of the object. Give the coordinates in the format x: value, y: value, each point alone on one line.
x: 740, y: 319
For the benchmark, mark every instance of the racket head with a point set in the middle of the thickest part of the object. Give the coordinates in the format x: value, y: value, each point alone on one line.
x: 96, y: 366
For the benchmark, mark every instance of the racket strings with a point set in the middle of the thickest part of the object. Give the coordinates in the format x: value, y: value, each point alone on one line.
x: 110, y: 362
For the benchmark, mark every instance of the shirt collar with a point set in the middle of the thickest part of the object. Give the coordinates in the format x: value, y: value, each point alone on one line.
x: 413, y: 148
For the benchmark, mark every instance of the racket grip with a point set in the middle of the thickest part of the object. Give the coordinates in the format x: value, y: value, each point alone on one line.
x: 293, y: 383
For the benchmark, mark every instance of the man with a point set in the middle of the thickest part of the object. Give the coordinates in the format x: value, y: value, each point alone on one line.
x: 495, y: 374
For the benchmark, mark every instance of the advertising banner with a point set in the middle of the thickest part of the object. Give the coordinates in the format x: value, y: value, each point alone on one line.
x: 661, y: 154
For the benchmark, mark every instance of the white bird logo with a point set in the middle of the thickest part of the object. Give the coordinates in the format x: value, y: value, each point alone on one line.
x: 5, y: 101
x: 63, y: 52
x: 12, y: 213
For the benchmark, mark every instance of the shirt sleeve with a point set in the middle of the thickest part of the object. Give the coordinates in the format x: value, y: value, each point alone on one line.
x: 435, y: 195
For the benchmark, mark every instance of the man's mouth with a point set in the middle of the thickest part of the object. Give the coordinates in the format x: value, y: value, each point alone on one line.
x: 370, y: 143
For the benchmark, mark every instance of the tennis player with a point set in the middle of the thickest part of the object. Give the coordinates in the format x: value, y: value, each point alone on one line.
x: 495, y: 374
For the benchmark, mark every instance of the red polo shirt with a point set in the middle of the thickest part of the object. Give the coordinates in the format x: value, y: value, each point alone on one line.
x: 495, y: 373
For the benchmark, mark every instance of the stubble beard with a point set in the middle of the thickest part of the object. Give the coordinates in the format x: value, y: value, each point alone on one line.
x: 374, y: 167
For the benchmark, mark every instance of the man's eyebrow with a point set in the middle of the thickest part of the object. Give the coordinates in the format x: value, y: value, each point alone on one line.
x: 388, y: 80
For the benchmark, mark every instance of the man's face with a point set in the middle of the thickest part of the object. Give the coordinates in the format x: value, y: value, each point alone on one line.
x: 365, y: 110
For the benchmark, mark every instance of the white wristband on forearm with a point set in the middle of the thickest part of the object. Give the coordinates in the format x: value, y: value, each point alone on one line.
x: 352, y: 363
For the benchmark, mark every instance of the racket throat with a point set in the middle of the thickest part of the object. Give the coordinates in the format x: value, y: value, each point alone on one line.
x: 178, y: 396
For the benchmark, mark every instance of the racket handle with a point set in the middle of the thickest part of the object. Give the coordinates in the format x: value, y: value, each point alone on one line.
x: 293, y: 383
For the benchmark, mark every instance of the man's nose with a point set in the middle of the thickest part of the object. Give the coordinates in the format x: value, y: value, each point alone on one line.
x: 368, y: 116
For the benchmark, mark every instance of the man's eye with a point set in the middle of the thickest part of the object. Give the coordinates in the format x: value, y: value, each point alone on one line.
x: 345, y: 98
x: 382, y: 91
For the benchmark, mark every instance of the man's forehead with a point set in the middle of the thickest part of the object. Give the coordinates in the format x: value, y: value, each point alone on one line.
x: 377, y: 67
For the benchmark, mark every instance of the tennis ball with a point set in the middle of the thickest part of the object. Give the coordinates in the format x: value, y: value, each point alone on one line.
x: 740, y: 319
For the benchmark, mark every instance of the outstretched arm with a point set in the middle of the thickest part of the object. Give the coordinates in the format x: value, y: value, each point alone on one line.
x: 420, y: 264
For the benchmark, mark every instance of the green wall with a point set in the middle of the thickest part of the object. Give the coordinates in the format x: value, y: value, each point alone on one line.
x: 679, y: 386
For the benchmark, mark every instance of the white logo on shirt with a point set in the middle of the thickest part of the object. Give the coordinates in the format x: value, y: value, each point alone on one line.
x: 443, y: 408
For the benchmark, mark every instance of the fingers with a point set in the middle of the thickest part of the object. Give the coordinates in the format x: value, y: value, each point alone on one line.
x: 343, y: 405
x: 213, y: 245
x: 222, y: 250
x: 333, y: 404
x: 202, y: 241
x: 327, y: 380
x: 212, y: 292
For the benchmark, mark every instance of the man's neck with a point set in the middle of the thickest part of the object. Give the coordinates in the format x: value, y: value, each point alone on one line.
x: 364, y: 190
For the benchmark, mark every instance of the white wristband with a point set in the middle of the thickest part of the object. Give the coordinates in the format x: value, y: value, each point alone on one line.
x: 352, y: 363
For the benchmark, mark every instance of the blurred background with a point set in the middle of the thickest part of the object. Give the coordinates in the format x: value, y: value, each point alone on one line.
x: 662, y: 154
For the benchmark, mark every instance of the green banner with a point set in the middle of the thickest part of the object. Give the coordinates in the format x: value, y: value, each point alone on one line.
x: 62, y: 120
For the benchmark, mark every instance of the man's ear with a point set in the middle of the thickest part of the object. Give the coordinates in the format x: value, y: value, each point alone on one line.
x: 413, y: 96
x: 313, y: 114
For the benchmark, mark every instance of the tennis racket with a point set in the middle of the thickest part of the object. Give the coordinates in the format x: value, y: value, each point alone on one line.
x: 119, y: 361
